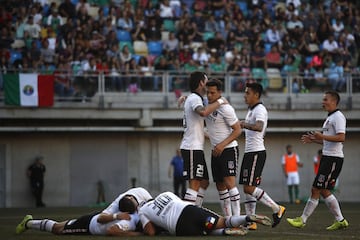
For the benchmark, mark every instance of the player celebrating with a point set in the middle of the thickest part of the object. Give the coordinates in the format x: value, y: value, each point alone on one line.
x: 181, y: 218
x: 192, y: 144
x: 254, y: 158
x: 223, y: 129
x: 332, y: 138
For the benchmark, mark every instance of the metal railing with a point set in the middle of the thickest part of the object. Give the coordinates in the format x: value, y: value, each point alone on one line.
x: 162, y: 88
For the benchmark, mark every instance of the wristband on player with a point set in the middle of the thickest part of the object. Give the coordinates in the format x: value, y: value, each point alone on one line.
x: 114, y: 216
x: 220, y: 101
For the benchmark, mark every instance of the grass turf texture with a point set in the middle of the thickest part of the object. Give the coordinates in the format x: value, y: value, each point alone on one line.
x: 314, y: 229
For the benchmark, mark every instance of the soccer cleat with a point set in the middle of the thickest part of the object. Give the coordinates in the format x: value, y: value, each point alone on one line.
x: 260, y: 219
x: 338, y: 225
x: 21, y: 227
x: 296, y: 222
x: 252, y: 226
x: 278, y: 216
x: 235, y: 231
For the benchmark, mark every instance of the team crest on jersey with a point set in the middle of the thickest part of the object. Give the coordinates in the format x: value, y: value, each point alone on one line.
x: 215, y: 113
x: 332, y: 182
x: 321, y: 179
x: 245, y: 173
x: 231, y: 165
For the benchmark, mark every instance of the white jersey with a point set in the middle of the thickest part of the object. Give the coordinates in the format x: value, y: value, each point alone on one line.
x: 193, y: 123
x: 219, y: 124
x: 141, y: 195
x: 254, y: 139
x: 164, y: 211
x: 96, y: 228
x: 335, y: 123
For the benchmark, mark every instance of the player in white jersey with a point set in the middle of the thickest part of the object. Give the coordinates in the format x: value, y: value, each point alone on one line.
x: 223, y: 128
x: 332, y: 138
x: 192, y: 144
x: 114, y: 220
x: 84, y: 225
x: 181, y: 218
x: 254, y: 158
x: 140, y: 194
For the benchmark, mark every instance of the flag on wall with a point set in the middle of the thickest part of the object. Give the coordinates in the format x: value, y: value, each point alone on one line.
x: 29, y: 89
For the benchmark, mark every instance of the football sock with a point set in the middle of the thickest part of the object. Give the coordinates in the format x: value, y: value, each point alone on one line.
x: 225, y: 202
x: 334, y: 207
x: 296, y: 192
x: 290, y: 191
x: 235, y: 221
x: 263, y: 197
x: 310, y: 206
x: 235, y: 201
x: 190, y: 195
x: 250, y: 204
x: 200, y: 197
x: 42, y: 225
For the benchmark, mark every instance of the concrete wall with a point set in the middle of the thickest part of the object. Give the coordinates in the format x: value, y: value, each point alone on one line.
x: 76, y: 161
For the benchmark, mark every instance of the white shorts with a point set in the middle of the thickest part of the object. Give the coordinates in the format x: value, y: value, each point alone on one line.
x: 293, y: 178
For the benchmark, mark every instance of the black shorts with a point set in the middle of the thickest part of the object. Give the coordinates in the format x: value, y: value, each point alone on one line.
x: 194, y: 165
x: 225, y: 165
x: 79, y: 226
x: 196, y: 221
x: 252, y: 167
x: 329, y: 170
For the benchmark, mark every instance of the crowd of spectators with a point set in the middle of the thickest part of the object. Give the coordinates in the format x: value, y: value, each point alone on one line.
x: 318, y: 39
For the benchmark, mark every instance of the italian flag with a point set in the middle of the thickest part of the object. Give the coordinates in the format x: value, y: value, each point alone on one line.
x: 29, y: 89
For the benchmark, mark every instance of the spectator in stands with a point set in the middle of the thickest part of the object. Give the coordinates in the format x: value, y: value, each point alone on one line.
x: 153, y: 31
x: 201, y: 56
x: 139, y: 32
x: 211, y: 24
x: 185, y: 55
x: 83, y: 6
x: 67, y: 9
x: 258, y: 59
x: 125, y: 22
x: 273, y: 35
x: 336, y: 76
x: 125, y: 54
x: 171, y: 44
x: 165, y: 9
x: 331, y: 45
x: 273, y: 58
x: 62, y: 80
x: 32, y: 28
x: 48, y: 54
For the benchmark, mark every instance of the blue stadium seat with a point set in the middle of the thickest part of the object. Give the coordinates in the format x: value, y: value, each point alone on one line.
x: 123, y: 35
x: 155, y: 48
x: 244, y: 8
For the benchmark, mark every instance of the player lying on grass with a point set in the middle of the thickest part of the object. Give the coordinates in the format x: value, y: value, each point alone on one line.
x: 181, y: 218
x: 113, y: 220
x: 122, y: 224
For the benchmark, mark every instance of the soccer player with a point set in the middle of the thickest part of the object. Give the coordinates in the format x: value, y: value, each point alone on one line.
x: 121, y: 225
x: 181, y: 218
x: 192, y: 144
x: 332, y: 138
x: 254, y: 158
x: 140, y: 195
x: 223, y: 128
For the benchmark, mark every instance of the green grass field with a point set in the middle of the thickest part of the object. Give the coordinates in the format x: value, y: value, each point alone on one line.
x: 315, y: 228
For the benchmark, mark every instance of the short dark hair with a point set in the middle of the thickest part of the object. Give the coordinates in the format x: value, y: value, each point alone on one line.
x: 334, y: 95
x: 195, y: 79
x: 255, y: 87
x: 127, y: 205
x: 215, y: 83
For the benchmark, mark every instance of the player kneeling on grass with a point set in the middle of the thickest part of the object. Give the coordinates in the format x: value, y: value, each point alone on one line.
x: 181, y: 218
x: 121, y: 224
